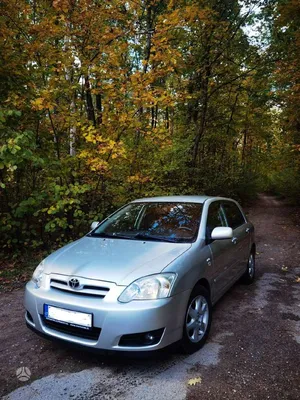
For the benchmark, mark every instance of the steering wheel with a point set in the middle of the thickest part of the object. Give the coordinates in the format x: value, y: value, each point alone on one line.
x: 185, y: 228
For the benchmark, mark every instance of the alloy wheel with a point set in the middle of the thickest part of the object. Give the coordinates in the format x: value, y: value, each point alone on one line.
x: 197, y: 319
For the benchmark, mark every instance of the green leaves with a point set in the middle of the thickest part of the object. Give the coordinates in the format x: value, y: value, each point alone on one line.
x: 104, y: 102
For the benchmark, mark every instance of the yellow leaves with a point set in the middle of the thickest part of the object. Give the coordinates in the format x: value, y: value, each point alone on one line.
x: 41, y: 103
x: 192, y: 14
x: 97, y: 165
x: 137, y: 78
x: 138, y: 178
x: 52, y: 210
x: 194, y: 381
x: 37, y: 104
x: 171, y: 4
x: 84, y: 154
x: 91, y: 135
x: 94, y: 162
x: 102, y: 149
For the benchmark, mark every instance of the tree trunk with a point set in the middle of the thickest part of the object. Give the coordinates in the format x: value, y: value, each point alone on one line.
x: 201, y: 128
x: 89, y: 102
x: 72, y: 137
x: 167, y: 118
x: 99, y: 108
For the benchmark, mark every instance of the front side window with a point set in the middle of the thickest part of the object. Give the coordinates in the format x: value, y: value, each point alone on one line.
x: 233, y: 215
x: 215, y: 218
x: 161, y: 221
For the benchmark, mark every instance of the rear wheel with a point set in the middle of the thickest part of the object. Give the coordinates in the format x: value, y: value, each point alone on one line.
x: 197, y: 320
x: 249, y: 274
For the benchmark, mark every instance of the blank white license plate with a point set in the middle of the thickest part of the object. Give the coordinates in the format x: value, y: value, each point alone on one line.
x: 68, y: 317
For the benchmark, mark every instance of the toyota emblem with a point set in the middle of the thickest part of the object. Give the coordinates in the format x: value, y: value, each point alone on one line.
x: 74, y: 283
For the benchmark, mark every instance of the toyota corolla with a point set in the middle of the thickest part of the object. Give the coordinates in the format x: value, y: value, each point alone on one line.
x: 145, y: 277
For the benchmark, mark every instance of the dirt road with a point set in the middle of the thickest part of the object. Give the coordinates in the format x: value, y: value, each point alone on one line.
x: 253, y: 351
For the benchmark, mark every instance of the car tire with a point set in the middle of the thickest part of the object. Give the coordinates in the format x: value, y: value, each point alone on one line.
x: 249, y: 274
x: 197, y: 320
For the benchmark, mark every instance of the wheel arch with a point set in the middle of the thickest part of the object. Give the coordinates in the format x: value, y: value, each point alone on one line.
x: 204, y: 282
x: 187, y: 346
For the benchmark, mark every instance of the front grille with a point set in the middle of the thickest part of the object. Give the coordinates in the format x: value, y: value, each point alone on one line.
x: 81, y: 293
x: 54, y: 281
x: 85, y: 288
x: 92, y: 334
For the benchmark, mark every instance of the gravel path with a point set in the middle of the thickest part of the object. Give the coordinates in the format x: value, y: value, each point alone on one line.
x: 253, y: 351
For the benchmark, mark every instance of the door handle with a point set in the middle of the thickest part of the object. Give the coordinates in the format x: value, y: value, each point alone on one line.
x: 234, y: 240
x: 247, y: 230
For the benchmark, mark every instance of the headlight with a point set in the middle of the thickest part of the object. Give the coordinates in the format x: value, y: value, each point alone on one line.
x: 149, y: 288
x: 38, y: 274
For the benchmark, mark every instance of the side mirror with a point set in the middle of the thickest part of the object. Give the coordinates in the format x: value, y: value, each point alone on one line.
x: 222, y: 232
x: 94, y: 224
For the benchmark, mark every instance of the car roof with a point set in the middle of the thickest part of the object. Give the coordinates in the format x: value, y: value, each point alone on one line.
x: 186, y: 199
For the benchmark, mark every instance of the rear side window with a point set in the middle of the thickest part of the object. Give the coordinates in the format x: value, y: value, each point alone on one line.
x: 215, y: 218
x: 233, y: 215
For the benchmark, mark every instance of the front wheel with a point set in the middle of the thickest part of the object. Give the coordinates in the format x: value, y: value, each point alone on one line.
x: 197, y: 320
x: 249, y: 274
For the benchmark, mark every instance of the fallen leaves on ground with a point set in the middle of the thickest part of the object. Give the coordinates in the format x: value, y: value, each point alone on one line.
x: 194, y: 381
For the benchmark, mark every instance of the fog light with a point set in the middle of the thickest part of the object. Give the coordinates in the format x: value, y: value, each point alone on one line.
x: 149, y: 338
x: 141, y: 339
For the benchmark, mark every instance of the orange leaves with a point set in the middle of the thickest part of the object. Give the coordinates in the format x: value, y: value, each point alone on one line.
x: 62, y: 5
x: 182, y: 16
x: 139, y: 178
x: 196, y: 14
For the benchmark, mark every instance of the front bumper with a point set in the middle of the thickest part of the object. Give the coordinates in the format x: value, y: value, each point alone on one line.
x: 114, y: 319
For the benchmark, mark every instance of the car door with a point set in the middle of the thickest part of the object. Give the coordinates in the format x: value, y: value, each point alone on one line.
x: 221, y: 250
x: 241, y: 238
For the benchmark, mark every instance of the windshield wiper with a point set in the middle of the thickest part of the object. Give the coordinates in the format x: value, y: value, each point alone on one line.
x: 110, y: 235
x: 142, y: 236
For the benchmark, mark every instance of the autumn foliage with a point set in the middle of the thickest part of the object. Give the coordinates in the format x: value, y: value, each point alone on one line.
x: 106, y: 101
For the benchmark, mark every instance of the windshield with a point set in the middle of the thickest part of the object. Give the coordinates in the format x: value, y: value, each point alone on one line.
x: 161, y: 221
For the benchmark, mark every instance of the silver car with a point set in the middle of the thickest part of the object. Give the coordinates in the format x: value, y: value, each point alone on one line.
x: 145, y: 277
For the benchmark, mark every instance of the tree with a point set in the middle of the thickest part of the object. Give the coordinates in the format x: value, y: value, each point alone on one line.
x: 102, y: 102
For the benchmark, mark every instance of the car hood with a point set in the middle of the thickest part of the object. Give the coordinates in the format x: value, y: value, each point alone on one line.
x: 115, y: 260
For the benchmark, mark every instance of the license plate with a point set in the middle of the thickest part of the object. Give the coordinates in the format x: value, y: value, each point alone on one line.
x: 68, y: 317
